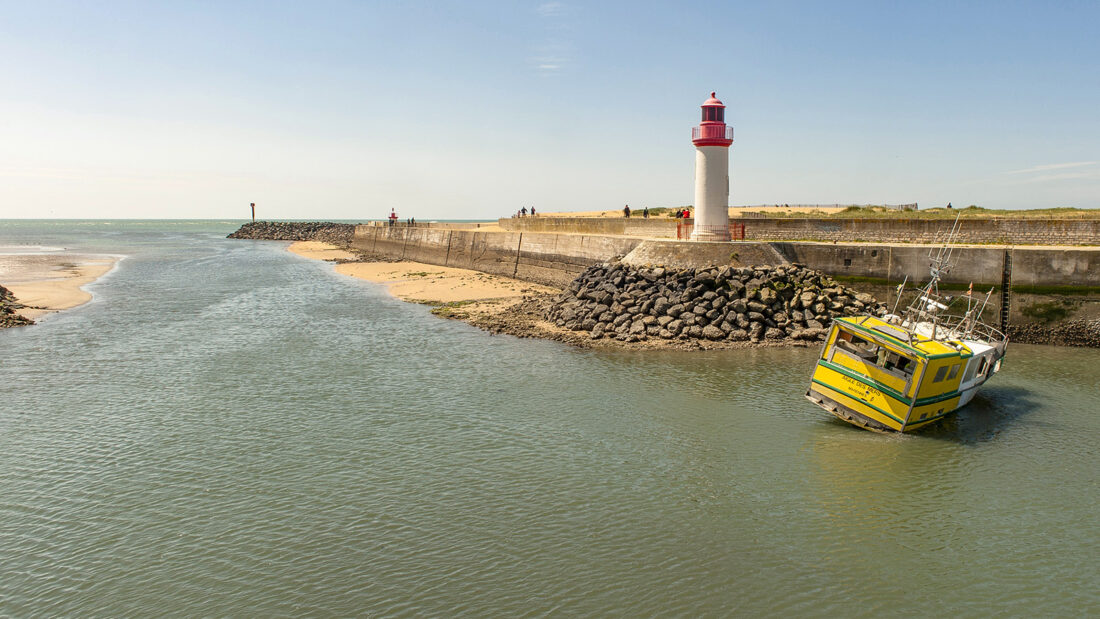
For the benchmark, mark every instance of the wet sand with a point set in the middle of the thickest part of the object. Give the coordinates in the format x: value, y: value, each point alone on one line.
x: 427, y: 283
x: 48, y: 282
x: 423, y: 283
x: 320, y: 251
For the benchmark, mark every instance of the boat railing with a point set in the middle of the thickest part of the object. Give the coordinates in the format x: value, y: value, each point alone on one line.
x: 970, y: 328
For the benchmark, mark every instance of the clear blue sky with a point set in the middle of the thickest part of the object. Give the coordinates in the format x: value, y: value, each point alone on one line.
x: 473, y: 109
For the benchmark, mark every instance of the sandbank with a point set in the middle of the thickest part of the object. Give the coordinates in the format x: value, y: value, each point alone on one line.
x: 320, y: 251
x: 51, y: 281
x: 423, y: 283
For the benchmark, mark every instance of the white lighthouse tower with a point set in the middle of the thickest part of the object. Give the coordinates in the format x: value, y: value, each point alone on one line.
x: 712, y: 139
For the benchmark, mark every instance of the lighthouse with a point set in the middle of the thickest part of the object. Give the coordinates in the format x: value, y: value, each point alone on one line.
x: 712, y: 139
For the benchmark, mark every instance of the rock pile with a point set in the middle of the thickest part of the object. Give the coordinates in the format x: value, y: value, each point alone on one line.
x: 8, y: 307
x: 718, y: 303
x: 1069, y: 333
x: 324, y: 231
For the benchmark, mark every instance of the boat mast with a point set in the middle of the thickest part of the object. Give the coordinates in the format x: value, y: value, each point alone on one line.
x: 927, y: 306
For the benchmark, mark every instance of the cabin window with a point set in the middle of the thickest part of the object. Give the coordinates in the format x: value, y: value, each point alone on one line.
x: 869, y: 352
x: 981, y: 365
x: 940, y: 374
x: 954, y: 372
x: 890, y: 360
x: 970, y: 368
x: 856, y: 345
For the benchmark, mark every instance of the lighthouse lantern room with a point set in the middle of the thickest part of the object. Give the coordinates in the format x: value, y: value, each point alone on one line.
x: 712, y: 139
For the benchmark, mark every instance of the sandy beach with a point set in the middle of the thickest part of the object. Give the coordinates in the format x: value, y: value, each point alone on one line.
x: 48, y: 282
x: 320, y: 251
x: 423, y: 283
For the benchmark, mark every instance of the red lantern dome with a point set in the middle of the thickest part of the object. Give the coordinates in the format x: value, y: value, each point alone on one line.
x: 712, y: 131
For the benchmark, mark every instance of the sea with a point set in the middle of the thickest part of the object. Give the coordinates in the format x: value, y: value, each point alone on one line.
x: 228, y: 429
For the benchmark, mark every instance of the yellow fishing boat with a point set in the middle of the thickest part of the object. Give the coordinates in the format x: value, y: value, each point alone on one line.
x: 902, y: 372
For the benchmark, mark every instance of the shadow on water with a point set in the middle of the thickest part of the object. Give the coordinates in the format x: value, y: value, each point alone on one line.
x: 992, y: 411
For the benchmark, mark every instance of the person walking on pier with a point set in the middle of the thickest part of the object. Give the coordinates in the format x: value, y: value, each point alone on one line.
x: 626, y: 211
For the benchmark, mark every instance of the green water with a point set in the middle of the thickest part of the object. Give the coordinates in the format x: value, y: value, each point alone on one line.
x: 230, y: 430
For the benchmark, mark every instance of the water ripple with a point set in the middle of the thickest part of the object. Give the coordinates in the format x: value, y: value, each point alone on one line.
x: 232, y: 430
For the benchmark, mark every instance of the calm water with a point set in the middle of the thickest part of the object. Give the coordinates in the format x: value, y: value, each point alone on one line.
x: 228, y: 429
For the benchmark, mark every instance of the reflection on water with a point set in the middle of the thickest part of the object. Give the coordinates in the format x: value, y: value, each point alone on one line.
x: 231, y: 430
x: 993, y: 410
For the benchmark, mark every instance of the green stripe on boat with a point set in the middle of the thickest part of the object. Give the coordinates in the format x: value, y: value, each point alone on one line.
x: 897, y: 395
x: 858, y: 399
x: 866, y: 380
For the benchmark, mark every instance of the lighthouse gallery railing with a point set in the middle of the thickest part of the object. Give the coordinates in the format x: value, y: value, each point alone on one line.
x: 710, y: 132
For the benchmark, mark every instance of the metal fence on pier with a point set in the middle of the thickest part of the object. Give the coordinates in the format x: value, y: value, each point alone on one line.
x: 684, y: 230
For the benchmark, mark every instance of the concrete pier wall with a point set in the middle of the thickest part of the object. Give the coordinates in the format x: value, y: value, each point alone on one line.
x: 555, y: 259
x: 652, y: 228
x: 551, y: 259
x: 1031, y: 266
x: 998, y: 231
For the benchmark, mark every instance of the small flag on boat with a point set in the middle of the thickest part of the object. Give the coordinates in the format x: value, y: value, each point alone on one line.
x: 970, y: 291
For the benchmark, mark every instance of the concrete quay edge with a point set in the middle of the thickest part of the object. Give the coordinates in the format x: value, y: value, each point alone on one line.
x: 556, y: 258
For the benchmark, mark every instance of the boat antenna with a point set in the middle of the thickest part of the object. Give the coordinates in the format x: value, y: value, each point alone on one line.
x: 941, y: 255
x: 978, y: 318
x: 927, y: 306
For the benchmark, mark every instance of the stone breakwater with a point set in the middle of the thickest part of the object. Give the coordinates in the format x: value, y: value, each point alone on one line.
x: 1068, y: 333
x: 719, y: 303
x: 324, y: 231
x: 8, y: 307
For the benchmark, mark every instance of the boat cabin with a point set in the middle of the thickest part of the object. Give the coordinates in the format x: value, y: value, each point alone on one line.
x: 879, y: 375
